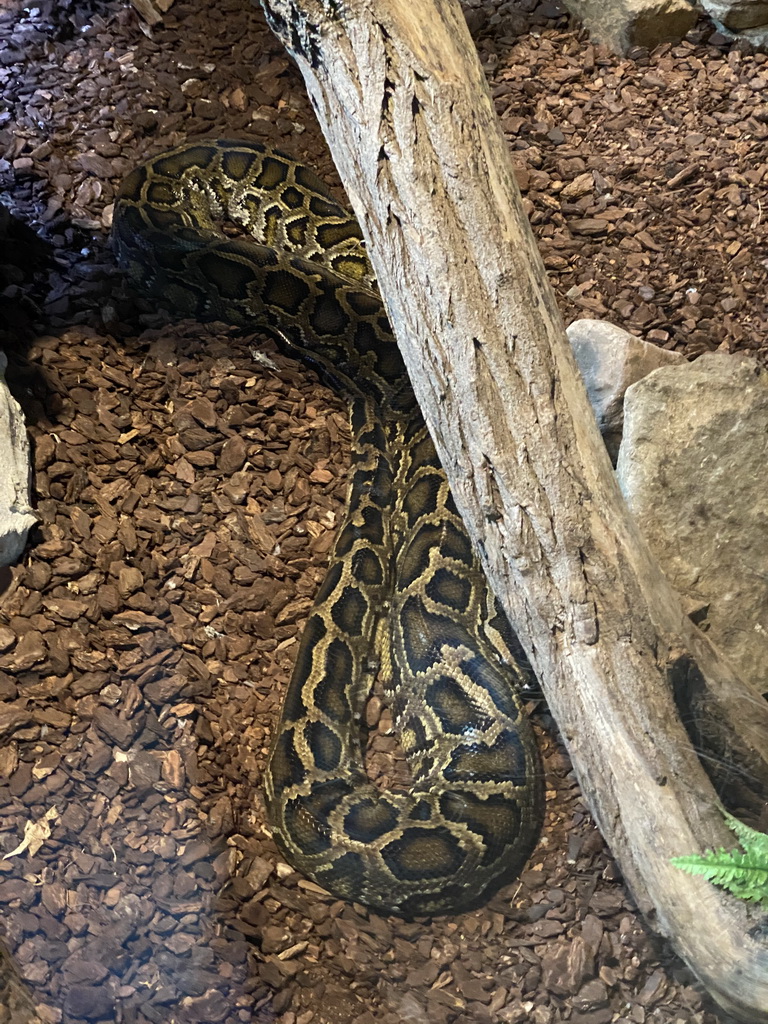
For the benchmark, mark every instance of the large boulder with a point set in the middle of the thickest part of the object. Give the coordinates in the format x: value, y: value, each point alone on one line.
x: 622, y: 24
x: 737, y: 15
x: 610, y: 360
x: 692, y: 467
x: 744, y: 20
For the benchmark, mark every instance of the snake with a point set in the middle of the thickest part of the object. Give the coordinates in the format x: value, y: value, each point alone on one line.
x: 405, y: 603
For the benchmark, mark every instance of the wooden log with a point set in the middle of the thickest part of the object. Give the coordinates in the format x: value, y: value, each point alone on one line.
x: 16, y: 1003
x: 403, y: 103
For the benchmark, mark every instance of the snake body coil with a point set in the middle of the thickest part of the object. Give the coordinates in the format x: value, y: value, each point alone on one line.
x: 404, y: 597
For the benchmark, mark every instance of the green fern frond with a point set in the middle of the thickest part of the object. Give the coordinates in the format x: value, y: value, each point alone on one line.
x: 752, y: 840
x: 744, y: 873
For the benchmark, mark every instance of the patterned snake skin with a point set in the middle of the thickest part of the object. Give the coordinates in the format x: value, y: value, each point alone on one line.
x: 404, y: 596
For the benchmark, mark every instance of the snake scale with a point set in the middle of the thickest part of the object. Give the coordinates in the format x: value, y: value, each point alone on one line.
x: 404, y: 597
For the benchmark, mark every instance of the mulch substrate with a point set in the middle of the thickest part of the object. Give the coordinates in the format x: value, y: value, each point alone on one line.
x: 189, y: 480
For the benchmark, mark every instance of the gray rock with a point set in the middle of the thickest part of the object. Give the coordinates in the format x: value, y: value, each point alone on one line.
x: 737, y: 15
x: 622, y: 24
x: 610, y: 360
x: 692, y: 467
x: 755, y: 37
x: 16, y: 515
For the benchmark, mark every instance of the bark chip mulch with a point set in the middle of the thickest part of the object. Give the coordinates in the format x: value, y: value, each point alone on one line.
x: 189, y: 481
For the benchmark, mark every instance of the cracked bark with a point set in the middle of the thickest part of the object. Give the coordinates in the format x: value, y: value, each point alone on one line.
x: 403, y: 103
x: 16, y: 1003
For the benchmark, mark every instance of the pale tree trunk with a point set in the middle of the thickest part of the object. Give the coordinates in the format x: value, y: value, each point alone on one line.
x: 16, y: 1003
x: 403, y: 103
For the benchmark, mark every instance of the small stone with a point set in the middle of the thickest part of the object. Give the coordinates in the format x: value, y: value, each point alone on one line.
x: 564, y: 969
x: 88, y: 682
x: 67, y: 609
x: 581, y: 185
x: 129, y: 581
x: 144, y: 770
x: 13, y: 717
x: 28, y: 652
x: 474, y: 990
x: 592, y: 932
x: 591, y: 226
x: 172, y: 768
x: 90, y: 1002
x: 184, y: 884
x: 258, y: 873
x: 165, y: 689
x: 233, y: 455
x: 202, y: 409
x: 108, y: 598
x: 424, y: 976
x: 9, y: 761
x: 54, y: 897
x: 274, y: 939
x: 196, y: 439
x: 653, y: 989
x: 195, y: 850
x: 209, y: 1008
x: 547, y: 929
x: 592, y: 996
x: 118, y: 729
x: 78, y: 971
x: 167, y: 848
x: 610, y: 360
x: 254, y: 913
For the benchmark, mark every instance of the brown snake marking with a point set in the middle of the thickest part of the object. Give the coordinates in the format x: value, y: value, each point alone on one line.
x: 404, y: 595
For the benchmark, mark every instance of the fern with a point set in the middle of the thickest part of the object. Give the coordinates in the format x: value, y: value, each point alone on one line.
x: 742, y: 872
